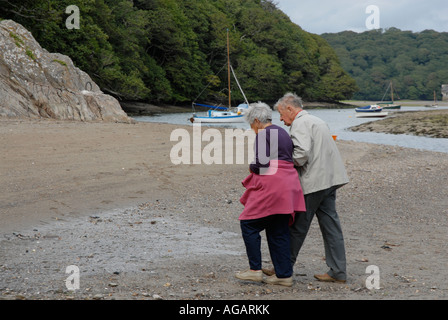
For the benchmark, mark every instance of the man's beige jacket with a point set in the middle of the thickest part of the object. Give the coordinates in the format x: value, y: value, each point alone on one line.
x: 316, y: 155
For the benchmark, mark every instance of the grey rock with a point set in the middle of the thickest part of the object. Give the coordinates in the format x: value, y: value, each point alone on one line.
x: 37, y: 84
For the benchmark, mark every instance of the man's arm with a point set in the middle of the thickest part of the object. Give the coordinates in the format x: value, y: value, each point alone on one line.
x: 302, y: 143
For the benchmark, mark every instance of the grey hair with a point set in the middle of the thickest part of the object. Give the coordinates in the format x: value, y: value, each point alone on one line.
x: 260, y: 111
x: 289, y: 99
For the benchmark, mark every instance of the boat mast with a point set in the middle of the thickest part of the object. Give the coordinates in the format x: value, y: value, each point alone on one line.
x: 392, y: 91
x: 238, y: 83
x: 228, y: 66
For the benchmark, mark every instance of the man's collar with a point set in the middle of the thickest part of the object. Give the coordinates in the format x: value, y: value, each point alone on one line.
x: 300, y: 113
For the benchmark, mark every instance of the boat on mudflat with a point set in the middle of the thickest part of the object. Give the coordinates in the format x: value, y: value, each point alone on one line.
x: 370, y: 108
x: 370, y: 111
x: 434, y: 105
x: 219, y: 114
x: 390, y: 104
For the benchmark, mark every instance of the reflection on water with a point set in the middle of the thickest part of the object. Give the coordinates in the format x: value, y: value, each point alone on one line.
x: 339, y: 120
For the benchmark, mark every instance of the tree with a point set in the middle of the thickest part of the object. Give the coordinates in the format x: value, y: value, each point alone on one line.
x: 416, y: 62
x: 166, y: 51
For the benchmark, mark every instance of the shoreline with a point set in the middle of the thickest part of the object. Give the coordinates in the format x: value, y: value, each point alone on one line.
x: 405, y: 103
x: 430, y: 123
x: 106, y: 198
x: 136, y: 108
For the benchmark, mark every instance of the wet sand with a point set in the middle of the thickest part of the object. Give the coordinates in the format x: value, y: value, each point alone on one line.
x: 106, y: 198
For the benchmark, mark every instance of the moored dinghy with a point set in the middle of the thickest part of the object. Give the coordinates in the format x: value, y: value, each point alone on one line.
x: 370, y: 108
x: 214, y: 115
x: 370, y: 111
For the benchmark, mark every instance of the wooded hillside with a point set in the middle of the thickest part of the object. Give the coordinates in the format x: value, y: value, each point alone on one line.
x: 417, y: 63
x: 166, y: 51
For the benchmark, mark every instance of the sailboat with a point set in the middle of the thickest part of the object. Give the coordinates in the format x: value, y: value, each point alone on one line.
x: 221, y: 114
x: 390, y: 104
x: 435, y: 102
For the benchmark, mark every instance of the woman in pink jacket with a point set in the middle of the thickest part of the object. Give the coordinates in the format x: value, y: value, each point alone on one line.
x: 273, y: 195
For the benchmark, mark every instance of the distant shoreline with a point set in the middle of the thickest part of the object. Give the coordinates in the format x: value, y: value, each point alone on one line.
x: 404, y: 103
x: 430, y: 123
x: 136, y: 108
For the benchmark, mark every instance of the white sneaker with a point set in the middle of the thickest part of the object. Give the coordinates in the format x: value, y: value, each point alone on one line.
x: 250, y: 275
x: 287, y: 282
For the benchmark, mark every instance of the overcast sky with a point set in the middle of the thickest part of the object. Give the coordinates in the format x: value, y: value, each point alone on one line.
x: 320, y: 16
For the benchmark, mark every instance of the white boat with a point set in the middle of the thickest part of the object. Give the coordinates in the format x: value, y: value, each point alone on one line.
x: 370, y: 111
x: 219, y: 114
x: 215, y: 116
x: 373, y: 108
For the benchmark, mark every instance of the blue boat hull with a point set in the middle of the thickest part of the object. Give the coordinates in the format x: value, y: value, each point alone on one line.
x: 370, y: 108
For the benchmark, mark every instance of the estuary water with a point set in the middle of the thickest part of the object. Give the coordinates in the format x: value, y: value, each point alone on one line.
x: 339, y: 122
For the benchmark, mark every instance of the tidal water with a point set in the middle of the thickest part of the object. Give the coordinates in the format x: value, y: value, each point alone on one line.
x: 339, y: 121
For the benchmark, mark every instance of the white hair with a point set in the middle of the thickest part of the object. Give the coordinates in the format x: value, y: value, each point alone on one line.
x: 289, y: 99
x: 260, y: 111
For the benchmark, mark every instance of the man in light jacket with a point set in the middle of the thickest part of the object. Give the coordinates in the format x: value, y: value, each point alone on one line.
x: 321, y: 172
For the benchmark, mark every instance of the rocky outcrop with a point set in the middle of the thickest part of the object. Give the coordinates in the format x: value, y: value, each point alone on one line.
x: 37, y: 84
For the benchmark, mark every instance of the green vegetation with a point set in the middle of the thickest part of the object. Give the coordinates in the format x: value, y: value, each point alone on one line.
x: 167, y: 51
x: 30, y: 54
x: 17, y: 39
x: 63, y: 63
x: 417, y: 63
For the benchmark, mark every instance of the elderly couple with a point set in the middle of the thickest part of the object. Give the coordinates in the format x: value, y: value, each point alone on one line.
x: 298, y: 180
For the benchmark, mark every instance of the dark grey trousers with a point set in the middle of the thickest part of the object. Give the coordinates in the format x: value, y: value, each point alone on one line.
x: 323, y: 205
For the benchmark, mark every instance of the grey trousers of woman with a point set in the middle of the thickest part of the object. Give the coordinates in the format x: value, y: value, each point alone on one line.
x: 323, y: 205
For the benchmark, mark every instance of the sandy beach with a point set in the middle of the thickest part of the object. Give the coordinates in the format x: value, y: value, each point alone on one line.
x: 106, y: 198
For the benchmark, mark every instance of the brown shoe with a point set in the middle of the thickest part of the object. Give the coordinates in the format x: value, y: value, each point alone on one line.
x: 268, y: 272
x: 326, y: 278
